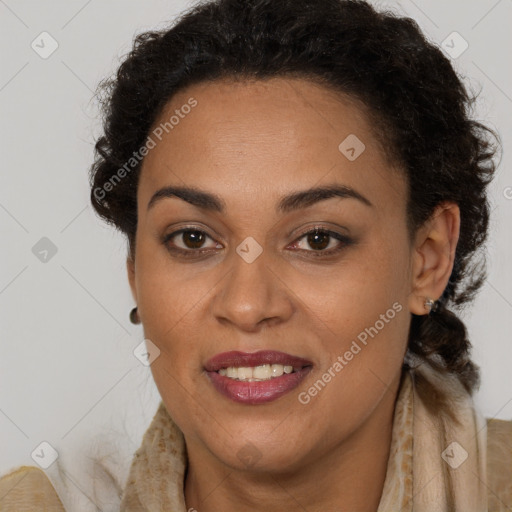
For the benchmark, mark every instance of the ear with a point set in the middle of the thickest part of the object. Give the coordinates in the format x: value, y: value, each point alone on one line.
x: 433, y: 256
x: 130, y: 267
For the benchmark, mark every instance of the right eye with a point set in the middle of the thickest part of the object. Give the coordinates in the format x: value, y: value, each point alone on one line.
x: 192, y: 240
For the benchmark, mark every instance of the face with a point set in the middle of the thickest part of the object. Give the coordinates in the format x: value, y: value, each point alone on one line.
x: 245, y: 271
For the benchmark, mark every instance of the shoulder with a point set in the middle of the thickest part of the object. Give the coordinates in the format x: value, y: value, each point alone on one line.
x: 499, y: 464
x: 28, y: 488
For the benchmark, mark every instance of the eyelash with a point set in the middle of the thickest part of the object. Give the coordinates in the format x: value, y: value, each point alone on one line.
x: 193, y: 253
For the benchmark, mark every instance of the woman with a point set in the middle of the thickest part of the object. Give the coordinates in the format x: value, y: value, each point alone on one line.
x: 304, y: 199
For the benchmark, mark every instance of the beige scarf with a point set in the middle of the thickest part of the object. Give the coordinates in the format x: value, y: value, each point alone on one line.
x: 436, y: 463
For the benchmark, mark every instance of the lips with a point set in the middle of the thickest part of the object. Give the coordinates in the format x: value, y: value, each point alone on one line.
x: 256, y: 392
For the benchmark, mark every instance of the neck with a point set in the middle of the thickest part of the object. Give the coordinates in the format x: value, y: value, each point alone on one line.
x: 348, y: 477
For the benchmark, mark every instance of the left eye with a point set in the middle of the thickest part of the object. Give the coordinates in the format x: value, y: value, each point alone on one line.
x: 319, y: 240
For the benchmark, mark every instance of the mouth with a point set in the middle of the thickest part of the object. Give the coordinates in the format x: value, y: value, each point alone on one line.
x: 255, y: 378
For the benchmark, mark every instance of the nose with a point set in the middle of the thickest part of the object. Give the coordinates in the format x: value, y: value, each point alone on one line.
x: 252, y: 295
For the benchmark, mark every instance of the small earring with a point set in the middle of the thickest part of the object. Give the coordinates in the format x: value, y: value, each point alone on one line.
x: 134, y: 316
x: 430, y: 305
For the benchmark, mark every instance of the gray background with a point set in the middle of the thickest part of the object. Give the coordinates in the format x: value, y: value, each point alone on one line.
x: 68, y: 375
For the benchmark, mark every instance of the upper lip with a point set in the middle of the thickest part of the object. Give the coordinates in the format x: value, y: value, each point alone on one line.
x: 245, y: 359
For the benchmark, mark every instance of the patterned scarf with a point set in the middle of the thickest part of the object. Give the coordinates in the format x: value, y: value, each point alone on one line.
x: 436, y: 461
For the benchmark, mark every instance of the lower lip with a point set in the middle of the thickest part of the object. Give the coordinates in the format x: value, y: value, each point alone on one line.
x: 257, y: 392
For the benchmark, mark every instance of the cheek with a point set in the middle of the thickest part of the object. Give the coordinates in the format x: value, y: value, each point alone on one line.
x: 167, y: 292
x: 359, y: 309
x: 169, y: 305
x: 169, y: 311
x: 352, y: 294
x: 169, y: 300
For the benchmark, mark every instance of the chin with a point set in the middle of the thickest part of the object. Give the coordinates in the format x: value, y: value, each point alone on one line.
x: 249, y: 456
x: 259, y: 449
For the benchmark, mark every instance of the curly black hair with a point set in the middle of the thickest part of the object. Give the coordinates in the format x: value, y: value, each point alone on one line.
x: 406, y: 83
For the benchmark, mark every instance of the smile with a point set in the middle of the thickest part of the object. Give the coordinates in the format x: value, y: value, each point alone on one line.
x: 258, y: 373
x: 256, y: 378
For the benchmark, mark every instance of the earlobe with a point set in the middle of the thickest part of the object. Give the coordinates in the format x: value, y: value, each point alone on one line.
x: 434, y: 256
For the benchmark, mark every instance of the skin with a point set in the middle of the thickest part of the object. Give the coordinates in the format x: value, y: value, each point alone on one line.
x: 251, y: 143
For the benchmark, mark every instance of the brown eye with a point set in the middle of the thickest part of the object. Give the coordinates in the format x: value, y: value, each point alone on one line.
x: 322, y: 242
x: 193, y: 239
x: 318, y: 239
x: 187, y: 240
x: 190, y: 242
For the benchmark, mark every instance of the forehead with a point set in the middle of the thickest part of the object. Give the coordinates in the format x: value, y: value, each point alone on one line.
x: 250, y: 141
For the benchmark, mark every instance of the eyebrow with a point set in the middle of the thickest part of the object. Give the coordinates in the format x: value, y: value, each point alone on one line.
x: 288, y: 203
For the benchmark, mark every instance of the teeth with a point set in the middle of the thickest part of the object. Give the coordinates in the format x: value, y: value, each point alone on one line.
x: 277, y: 370
x: 244, y: 373
x: 258, y: 373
